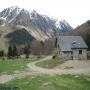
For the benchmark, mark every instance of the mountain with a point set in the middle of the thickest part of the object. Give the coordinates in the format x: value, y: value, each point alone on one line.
x: 39, y: 27
x: 82, y: 30
x: 64, y: 26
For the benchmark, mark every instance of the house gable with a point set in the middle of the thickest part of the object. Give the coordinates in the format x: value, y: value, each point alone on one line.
x: 72, y: 47
x: 67, y: 43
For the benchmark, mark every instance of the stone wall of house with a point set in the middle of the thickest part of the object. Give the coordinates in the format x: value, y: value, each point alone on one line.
x: 77, y: 56
x: 88, y: 55
x: 66, y: 55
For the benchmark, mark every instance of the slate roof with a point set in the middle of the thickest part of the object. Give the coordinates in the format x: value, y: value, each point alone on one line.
x: 67, y: 43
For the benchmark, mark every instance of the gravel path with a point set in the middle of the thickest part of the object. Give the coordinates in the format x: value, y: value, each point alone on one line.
x: 6, y: 78
x: 69, y: 67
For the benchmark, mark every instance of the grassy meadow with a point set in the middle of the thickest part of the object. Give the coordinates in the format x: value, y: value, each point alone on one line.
x: 41, y: 82
x: 57, y: 82
x: 50, y: 63
x: 15, y: 65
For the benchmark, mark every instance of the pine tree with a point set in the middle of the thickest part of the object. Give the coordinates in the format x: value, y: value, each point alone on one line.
x: 15, y: 52
x: 88, y: 40
x: 2, y: 53
x: 56, y: 42
x: 10, y: 52
x: 27, y: 50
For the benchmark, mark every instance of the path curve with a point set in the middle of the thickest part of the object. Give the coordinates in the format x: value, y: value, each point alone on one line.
x: 6, y: 78
x: 34, y: 68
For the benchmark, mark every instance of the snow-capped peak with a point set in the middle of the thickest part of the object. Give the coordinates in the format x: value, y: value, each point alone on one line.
x: 24, y: 17
x: 58, y: 24
x: 63, y: 25
x: 32, y: 14
x: 14, y: 7
x: 63, y: 21
x: 6, y: 12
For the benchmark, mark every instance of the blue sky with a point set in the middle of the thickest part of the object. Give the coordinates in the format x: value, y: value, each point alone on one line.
x: 75, y: 12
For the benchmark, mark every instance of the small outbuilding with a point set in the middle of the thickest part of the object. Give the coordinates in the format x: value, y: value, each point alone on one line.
x: 72, y: 47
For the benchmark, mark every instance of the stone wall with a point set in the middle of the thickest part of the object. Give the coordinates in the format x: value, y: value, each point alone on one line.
x: 66, y: 55
x: 77, y: 56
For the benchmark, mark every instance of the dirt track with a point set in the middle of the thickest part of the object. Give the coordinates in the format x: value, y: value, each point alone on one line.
x: 69, y: 67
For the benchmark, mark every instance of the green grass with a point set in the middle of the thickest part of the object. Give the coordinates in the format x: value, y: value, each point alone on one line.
x: 58, y: 82
x: 50, y: 63
x: 10, y: 66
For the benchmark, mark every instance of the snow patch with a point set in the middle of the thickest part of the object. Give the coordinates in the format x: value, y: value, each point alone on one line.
x: 58, y: 25
x: 32, y: 14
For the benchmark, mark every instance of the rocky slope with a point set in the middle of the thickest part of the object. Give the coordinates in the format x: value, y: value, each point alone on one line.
x: 40, y: 27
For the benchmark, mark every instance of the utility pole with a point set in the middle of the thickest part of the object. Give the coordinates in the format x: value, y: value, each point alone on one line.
x: 57, y: 48
x: 58, y: 34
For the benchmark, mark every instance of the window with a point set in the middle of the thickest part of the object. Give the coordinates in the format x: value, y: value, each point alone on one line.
x: 80, y: 51
x: 71, y: 52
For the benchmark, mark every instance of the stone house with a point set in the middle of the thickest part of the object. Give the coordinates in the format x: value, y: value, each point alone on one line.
x: 72, y: 47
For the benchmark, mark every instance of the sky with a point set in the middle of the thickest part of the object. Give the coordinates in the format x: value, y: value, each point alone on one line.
x: 75, y: 12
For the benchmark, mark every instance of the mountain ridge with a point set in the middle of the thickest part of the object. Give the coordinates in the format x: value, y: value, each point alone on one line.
x: 15, y: 14
x: 40, y: 27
